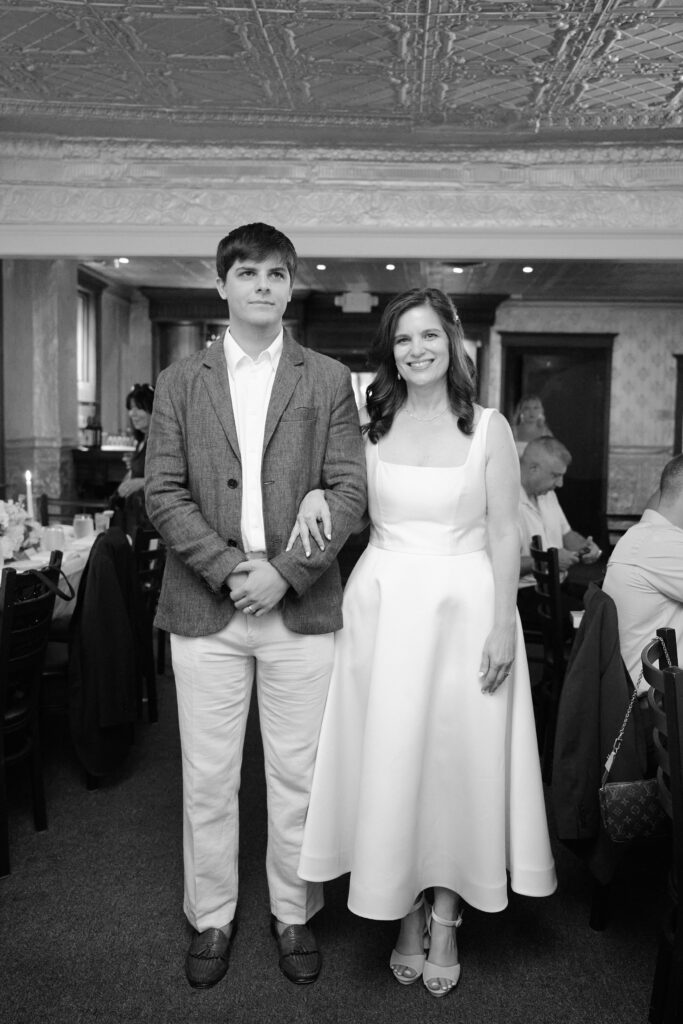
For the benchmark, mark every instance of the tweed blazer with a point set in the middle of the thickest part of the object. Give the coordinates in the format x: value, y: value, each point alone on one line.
x: 193, y: 485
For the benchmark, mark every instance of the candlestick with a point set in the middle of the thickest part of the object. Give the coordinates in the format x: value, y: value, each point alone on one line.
x: 29, y: 494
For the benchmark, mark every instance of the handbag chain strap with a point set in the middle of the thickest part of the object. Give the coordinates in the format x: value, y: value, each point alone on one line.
x: 634, y: 696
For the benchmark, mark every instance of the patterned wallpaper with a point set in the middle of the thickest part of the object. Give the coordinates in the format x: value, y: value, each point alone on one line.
x: 643, y: 383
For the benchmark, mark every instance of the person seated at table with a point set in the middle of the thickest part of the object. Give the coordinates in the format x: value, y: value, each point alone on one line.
x: 644, y: 574
x: 128, y: 501
x: 543, y: 465
x: 529, y: 422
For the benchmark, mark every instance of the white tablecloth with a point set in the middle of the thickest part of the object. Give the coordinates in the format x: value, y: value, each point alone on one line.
x: 75, y: 555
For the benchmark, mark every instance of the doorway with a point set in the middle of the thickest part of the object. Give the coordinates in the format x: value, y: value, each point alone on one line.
x: 571, y: 374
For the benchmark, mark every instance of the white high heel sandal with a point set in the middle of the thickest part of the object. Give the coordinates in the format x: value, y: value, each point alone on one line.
x: 435, y: 972
x: 413, y: 962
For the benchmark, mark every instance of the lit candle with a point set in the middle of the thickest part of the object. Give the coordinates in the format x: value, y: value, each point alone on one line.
x: 29, y: 494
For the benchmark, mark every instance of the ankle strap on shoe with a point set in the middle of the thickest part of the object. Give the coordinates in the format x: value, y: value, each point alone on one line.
x: 444, y: 922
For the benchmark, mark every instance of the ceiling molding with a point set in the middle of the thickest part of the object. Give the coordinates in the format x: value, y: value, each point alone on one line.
x: 76, y: 198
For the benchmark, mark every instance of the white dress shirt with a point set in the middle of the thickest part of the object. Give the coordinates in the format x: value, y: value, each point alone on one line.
x: 644, y: 578
x: 251, y: 384
x: 542, y: 516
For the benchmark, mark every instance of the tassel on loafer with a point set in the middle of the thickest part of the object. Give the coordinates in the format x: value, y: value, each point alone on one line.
x: 300, y: 959
x: 208, y: 957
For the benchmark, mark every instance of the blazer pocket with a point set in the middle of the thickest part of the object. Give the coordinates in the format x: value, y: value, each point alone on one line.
x: 300, y: 414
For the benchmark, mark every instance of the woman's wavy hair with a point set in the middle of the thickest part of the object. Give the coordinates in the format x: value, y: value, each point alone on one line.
x: 387, y: 392
x: 143, y: 397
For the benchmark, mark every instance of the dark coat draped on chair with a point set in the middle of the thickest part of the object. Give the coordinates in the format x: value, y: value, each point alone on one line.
x: 593, y: 702
x: 110, y: 651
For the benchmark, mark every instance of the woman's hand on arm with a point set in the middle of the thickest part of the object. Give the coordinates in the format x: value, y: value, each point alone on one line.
x: 314, y: 514
x: 313, y: 510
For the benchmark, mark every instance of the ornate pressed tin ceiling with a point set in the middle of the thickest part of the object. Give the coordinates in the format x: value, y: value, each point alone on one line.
x: 414, y: 73
x: 463, y: 129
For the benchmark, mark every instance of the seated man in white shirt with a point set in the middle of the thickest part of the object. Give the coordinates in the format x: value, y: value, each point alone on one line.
x: 543, y: 465
x: 645, y: 572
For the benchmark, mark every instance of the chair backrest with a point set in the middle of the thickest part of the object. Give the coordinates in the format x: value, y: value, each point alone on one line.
x: 150, y: 559
x: 546, y: 571
x: 26, y: 606
x: 62, y: 510
x: 665, y: 698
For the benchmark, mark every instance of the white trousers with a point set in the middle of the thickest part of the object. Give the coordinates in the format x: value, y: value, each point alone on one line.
x: 214, y: 676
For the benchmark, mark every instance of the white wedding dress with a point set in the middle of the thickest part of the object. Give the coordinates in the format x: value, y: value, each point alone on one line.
x: 421, y: 779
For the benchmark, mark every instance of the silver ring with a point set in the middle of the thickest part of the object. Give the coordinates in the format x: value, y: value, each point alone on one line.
x: 249, y: 608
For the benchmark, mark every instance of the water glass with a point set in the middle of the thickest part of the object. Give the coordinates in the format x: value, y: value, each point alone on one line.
x: 103, y: 520
x: 53, y: 539
x: 83, y: 526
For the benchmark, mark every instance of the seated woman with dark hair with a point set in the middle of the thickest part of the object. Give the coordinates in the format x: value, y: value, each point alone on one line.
x: 128, y: 500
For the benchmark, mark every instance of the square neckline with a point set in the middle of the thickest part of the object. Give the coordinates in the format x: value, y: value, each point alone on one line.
x: 411, y: 465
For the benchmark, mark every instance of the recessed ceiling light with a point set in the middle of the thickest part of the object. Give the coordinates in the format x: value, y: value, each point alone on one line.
x: 391, y: 266
x: 321, y: 266
x: 527, y: 270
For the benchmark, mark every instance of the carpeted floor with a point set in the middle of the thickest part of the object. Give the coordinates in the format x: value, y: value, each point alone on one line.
x: 92, y: 929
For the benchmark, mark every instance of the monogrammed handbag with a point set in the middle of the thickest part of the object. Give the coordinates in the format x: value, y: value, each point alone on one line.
x: 631, y: 810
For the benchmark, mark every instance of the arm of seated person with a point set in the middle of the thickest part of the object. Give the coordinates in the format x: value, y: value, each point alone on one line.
x: 130, y: 484
x: 584, y: 548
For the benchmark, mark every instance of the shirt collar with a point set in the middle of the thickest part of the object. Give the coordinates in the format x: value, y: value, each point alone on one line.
x: 651, y: 516
x: 527, y: 499
x: 235, y: 354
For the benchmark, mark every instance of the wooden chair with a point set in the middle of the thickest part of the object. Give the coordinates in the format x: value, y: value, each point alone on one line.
x: 26, y: 606
x: 666, y: 703
x: 150, y: 559
x: 556, y: 636
x: 62, y: 510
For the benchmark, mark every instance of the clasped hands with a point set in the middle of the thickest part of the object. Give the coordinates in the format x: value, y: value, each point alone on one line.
x: 256, y: 587
x: 588, y: 554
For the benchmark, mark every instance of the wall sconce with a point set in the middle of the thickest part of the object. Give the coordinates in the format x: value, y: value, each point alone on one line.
x: 356, y: 302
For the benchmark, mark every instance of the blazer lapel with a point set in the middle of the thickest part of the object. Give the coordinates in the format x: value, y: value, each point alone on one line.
x: 286, y: 379
x: 215, y: 371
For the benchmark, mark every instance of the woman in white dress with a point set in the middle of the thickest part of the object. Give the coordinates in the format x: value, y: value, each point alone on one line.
x: 427, y: 773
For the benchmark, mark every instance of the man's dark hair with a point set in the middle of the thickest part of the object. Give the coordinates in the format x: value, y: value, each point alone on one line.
x: 255, y: 242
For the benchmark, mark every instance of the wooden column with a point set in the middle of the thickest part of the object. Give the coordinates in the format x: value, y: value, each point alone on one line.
x: 38, y: 343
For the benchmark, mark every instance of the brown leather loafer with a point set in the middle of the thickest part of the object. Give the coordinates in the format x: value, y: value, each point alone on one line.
x: 300, y: 960
x: 208, y: 956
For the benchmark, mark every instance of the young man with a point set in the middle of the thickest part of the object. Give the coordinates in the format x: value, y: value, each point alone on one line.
x: 240, y: 433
